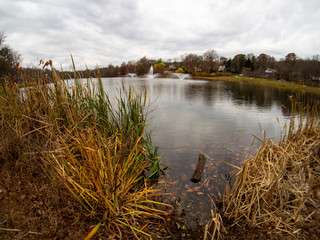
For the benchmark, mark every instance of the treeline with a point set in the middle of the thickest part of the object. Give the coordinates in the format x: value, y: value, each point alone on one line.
x: 291, y: 68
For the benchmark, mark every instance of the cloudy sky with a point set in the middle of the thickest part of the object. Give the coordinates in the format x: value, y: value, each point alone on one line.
x: 103, y: 32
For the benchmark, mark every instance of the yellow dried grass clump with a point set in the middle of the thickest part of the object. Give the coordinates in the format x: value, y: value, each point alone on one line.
x: 279, y: 188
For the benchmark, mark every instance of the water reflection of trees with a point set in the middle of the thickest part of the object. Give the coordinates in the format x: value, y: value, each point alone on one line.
x: 206, y: 92
x: 264, y: 97
x: 193, y: 92
x: 247, y: 94
x: 240, y: 93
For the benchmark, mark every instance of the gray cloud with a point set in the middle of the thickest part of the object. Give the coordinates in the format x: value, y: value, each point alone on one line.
x: 103, y: 32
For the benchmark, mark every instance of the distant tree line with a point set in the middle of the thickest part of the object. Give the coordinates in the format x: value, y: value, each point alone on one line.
x: 291, y: 68
x: 9, y: 61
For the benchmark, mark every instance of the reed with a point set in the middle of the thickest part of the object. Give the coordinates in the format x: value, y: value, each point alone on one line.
x: 278, y: 190
x: 100, y: 150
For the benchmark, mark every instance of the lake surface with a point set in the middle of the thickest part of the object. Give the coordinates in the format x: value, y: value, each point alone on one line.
x: 190, y: 117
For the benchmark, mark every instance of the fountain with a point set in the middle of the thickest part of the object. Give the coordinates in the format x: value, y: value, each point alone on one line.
x: 181, y: 76
x: 150, y: 73
x: 132, y: 74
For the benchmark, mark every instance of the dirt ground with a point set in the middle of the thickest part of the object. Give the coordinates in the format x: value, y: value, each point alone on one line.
x: 32, y: 208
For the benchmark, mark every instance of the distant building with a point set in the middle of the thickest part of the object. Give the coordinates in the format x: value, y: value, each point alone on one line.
x: 222, y: 68
x: 172, y: 67
x: 270, y: 71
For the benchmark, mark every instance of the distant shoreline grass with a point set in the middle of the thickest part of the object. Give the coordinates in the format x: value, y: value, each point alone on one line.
x: 265, y: 82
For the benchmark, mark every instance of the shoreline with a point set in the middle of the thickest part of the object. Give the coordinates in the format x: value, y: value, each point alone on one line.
x: 265, y: 82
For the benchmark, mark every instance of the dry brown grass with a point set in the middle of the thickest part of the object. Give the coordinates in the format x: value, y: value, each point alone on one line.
x: 278, y: 190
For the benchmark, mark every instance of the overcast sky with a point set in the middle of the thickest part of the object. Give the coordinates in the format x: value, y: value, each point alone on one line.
x: 103, y: 32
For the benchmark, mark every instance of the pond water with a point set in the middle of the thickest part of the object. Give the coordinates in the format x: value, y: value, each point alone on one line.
x: 190, y: 117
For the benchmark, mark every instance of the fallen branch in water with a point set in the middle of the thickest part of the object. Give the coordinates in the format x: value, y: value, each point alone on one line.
x: 198, y: 172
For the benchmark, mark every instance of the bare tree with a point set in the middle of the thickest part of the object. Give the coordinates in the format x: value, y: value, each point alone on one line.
x: 131, y: 67
x: 210, y: 61
x: 2, y: 38
x: 291, y: 57
x: 192, y: 63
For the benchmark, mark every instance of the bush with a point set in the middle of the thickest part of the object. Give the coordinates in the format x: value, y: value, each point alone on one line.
x: 179, y: 70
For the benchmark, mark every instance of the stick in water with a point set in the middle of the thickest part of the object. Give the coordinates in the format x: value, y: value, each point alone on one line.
x: 198, y: 172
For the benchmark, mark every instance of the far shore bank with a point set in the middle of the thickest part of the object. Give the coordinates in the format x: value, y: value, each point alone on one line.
x: 265, y: 82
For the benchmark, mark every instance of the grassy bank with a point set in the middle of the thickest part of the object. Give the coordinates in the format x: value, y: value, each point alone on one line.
x: 75, y: 164
x: 276, y: 194
x: 95, y: 154
x: 267, y: 83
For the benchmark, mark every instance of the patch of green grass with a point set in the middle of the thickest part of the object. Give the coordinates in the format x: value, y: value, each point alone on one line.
x: 268, y: 83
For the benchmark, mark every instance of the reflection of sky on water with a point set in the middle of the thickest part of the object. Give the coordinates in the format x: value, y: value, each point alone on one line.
x: 192, y: 117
